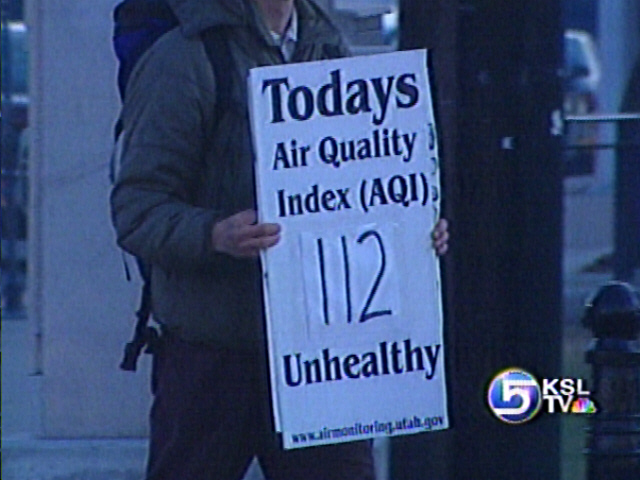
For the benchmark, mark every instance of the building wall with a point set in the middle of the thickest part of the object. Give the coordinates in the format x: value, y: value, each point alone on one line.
x: 80, y: 304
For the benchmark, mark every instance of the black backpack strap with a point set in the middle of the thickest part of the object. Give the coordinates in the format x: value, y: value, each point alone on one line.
x: 331, y: 51
x: 144, y: 335
x: 216, y: 45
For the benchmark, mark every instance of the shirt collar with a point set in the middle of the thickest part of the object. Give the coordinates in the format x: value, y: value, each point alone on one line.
x: 291, y: 32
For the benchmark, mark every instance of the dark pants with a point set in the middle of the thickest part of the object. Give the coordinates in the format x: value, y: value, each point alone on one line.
x: 211, y: 416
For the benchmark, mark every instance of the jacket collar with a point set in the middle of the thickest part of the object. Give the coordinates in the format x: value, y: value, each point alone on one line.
x: 195, y: 16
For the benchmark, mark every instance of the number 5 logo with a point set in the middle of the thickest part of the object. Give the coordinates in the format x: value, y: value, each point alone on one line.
x: 516, y: 388
x: 514, y: 396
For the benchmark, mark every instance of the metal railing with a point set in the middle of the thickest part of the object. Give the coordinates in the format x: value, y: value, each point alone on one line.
x: 603, y: 118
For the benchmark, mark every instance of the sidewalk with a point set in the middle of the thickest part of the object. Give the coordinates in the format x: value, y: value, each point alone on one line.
x: 32, y: 459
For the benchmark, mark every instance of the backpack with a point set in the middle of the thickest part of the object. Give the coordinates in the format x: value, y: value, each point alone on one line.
x: 138, y: 24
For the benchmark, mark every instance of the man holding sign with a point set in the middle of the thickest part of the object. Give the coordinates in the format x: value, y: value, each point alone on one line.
x: 184, y: 202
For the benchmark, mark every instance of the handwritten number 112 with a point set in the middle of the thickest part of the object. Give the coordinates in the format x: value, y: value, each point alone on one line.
x: 365, y: 314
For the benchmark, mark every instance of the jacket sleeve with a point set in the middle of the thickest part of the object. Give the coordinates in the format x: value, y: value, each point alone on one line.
x: 169, y: 105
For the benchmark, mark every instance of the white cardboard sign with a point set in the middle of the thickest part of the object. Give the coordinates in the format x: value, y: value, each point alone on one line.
x: 347, y: 163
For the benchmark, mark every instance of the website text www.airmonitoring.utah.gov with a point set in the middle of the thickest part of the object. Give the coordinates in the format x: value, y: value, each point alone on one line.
x: 419, y: 424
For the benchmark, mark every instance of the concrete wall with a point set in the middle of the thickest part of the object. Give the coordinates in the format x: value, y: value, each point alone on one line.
x: 79, y: 301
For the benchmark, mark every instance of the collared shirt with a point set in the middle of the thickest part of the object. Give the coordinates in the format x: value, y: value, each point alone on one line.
x: 287, y: 41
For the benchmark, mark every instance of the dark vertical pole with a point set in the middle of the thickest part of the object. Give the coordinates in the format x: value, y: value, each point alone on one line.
x: 509, y: 294
x: 496, y: 70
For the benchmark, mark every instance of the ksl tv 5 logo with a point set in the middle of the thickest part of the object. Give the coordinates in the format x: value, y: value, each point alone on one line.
x: 515, y: 396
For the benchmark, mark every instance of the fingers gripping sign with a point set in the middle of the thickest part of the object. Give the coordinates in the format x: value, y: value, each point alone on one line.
x: 440, y: 237
x: 241, y: 236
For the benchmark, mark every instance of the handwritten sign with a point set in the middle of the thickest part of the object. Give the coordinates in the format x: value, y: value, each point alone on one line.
x: 347, y: 163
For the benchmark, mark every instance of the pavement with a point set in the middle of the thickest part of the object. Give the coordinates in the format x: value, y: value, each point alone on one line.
x: 588, y: 212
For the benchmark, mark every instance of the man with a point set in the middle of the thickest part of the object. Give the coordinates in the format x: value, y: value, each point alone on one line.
x: 184, y: 203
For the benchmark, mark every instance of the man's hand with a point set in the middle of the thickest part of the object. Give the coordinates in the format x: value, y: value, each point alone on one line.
x: 240, y: 236
x: 440, y: 237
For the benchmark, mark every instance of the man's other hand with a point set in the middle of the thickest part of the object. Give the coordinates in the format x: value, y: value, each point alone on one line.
x: 440, y: 237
